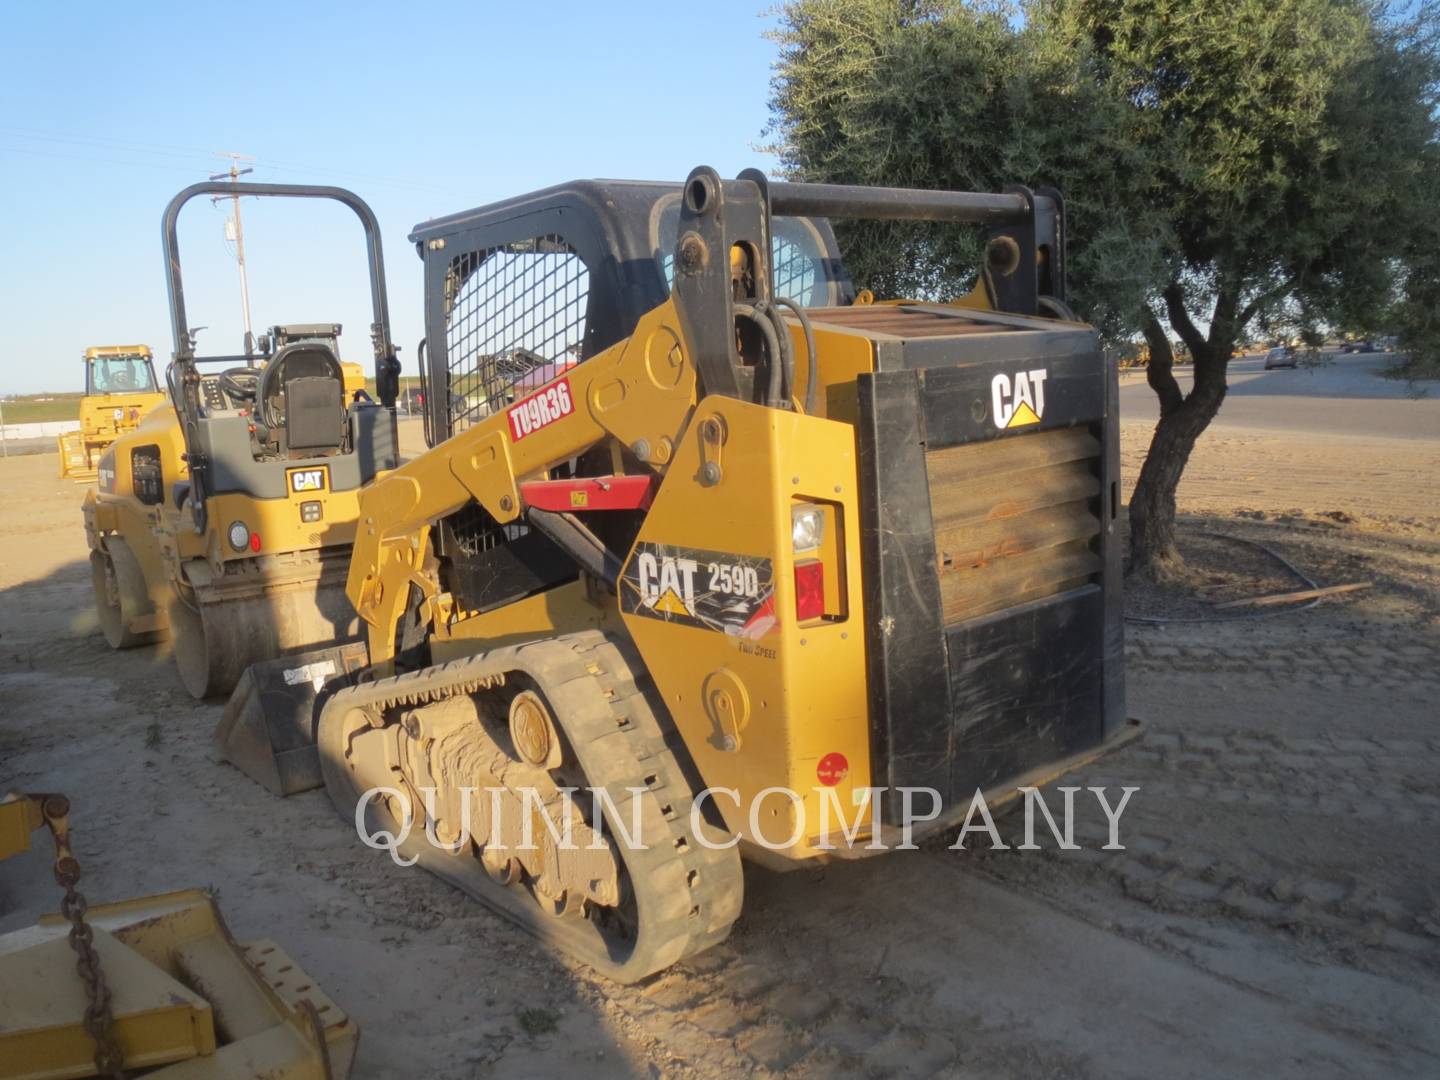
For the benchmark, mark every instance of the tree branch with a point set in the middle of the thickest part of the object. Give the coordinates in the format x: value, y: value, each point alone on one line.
x: 1160, y: 370
x: 1222, y: 320
x: 1250, y: 310
x: 1210, y: 366
x: 1180, y: 319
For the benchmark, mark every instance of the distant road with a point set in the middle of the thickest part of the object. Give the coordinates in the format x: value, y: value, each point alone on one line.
x: 1346, y: 396
x: 17, y: 447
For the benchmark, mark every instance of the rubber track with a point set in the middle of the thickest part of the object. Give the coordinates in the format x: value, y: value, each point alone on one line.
x: 687, y: 895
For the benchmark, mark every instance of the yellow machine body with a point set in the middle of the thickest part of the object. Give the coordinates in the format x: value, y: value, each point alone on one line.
x: 115, y: 507
x: 106, y: 414
x: 281, y: 591
x: 763, y: 714
x: 671, y: 566
x: 354, y: 378
x: 755, y: 715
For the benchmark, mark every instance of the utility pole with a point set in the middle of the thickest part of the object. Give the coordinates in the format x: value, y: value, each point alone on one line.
x: 234, y: 173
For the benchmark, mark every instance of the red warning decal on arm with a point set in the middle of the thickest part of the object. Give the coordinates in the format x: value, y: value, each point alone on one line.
x: 545, y: 406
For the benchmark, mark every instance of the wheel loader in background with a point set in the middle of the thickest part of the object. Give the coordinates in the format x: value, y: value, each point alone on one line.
x: 224, y: 521
x: 120, y: 389
x: 155, y: 983
x: 770, y: 546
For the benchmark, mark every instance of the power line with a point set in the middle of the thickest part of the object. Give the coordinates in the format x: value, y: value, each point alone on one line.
x: 168, y: 150
x: 98, y: 160
x: 103, y: 141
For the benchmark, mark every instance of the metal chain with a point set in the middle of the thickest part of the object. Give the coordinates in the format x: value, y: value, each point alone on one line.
x: 99, y: 1021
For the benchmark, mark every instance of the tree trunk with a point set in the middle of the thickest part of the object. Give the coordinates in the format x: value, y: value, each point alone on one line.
x: 1183, y: 417
x: 1153, y: 553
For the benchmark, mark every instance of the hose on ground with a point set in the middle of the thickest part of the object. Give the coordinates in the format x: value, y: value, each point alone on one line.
x: 1268, y: 613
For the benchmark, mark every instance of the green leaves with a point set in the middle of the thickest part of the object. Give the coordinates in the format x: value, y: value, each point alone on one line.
x: 1262, y: 152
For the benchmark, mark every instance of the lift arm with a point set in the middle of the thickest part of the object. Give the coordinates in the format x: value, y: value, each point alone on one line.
x: 641, y: 392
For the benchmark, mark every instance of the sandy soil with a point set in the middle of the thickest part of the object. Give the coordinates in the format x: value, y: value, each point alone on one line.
x: 1387, y: 485
x: 1275, y: 911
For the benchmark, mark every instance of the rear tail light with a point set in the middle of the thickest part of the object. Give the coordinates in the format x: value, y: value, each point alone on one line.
x: 809, y: 590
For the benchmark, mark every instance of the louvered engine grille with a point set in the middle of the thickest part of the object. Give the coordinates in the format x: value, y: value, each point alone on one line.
x: 1016, y: 519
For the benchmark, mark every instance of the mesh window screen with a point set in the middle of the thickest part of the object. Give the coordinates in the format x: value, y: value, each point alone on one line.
x: 515, y: 320
x: 793, y: 270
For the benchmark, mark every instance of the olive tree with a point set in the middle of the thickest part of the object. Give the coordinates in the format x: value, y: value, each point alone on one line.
x: 1221, y: 162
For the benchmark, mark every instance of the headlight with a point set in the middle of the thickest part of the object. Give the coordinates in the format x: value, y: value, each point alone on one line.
x: 239, y: 536
x: 807, y: 526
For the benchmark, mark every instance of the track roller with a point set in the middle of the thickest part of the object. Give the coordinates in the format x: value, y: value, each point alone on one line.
x: 573, y: 712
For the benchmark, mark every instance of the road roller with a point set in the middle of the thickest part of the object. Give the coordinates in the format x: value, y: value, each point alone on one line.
x: 223, y: 522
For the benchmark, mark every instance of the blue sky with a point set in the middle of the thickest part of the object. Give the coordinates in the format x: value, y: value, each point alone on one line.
x: 106, y: 110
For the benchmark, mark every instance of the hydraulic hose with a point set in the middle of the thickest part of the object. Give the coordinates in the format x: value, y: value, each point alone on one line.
x: 812, y: 373
x: 787, y: 351
x: 772, y: 347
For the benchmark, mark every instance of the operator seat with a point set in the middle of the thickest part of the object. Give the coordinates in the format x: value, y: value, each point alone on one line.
x: 303, y: 393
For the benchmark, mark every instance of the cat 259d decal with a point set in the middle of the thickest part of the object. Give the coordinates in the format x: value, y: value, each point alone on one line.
x: 713, y: 590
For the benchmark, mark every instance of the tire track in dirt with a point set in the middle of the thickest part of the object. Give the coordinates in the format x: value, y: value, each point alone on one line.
x: 1252, y: 798
x: 1399, y: 663
x: 1169, y: 876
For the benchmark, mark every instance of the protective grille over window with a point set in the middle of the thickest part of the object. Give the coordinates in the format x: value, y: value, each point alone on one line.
x: 795, y: 271
x: 515, y: 320
x: 795, y: 261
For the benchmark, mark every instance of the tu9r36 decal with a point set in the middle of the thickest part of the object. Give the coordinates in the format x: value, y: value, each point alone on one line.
x: 714, y: 590
x: 540, y: 409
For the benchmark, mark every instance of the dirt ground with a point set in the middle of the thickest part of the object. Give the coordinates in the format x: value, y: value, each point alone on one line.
x: 1276, y: 910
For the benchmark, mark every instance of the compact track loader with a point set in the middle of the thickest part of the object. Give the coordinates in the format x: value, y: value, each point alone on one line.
x: 154, y: 984
x: 709, y: 547
x: 224, y: 521
x: 120, y: 389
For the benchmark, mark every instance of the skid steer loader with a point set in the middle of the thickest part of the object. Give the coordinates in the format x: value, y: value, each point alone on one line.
x: 120, y: 389
x: 755, y: 548
x: 155, y: 984
x: 224, y: 521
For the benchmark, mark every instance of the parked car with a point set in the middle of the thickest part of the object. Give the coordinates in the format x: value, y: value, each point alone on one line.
x: 1365, y: 346
x: 1284, y: 356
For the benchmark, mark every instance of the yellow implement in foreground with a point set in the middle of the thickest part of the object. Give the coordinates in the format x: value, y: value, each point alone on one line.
x: 159, y: 984
x: 120, y: 389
